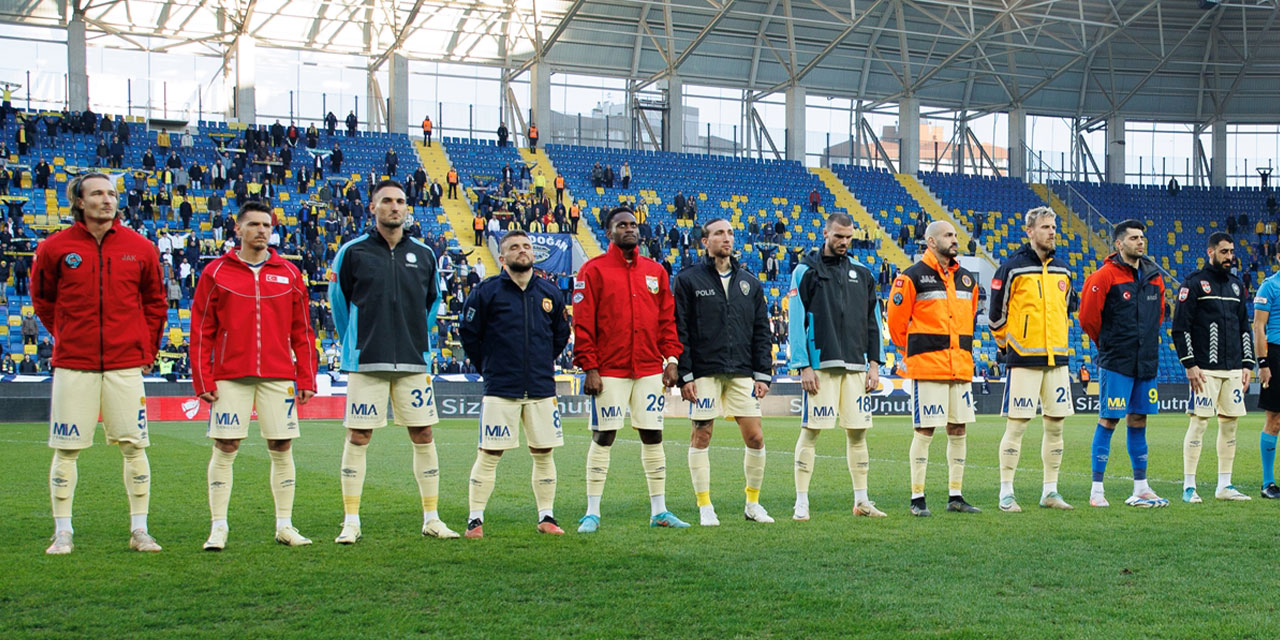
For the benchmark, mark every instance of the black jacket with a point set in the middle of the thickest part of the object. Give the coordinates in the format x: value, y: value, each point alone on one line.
x: 722, y: 333
x: 1211, y: 322
x: 384, y: 304
x: 513, y: 337
x: 834, y: 314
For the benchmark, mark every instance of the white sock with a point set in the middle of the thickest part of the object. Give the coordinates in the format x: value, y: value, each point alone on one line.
x: 544, y: 513
x: 1224, y: 481
x: 1098, y: 490
x: 351, y: 519
x: 1140, y: 486
x: 138, y: 521
x: 62, y: 524
x: 802, y: 499
x: 1049, y: 487
x: 1189, y: 481
x: 284, y: 523
x: 916, y: 495
x: 593, y: 506
x: 1006, y: 489
x: 707, y: 510
x: 954, y: 493
x: 475, y: 515
x: 859, y: 496
x: 219, y: 523
x: 657, y: 504
x: 428, y: 516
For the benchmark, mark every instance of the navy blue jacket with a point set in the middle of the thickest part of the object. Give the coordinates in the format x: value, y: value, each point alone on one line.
x: 514, y: 337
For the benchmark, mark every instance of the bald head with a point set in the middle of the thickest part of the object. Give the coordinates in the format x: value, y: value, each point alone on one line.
x: 938, y: 228
x: 940, y: 237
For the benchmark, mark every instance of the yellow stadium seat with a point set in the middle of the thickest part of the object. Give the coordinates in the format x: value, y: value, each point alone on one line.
x: 29, y: 349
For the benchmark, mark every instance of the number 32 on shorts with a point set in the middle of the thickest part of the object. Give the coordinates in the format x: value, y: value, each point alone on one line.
x: 421, y: 397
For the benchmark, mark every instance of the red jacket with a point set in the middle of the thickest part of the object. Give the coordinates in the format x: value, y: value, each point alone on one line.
x: 103, y: 303
x: 624, y: 321
x: 246, y: 324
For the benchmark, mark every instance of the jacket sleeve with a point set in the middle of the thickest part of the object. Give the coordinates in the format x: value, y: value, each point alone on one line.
x: 902, y: 299
x: 797, y: 322
x: 684, y: 315
x: 560, y: 327
x: 998, y: 305
x: 44, y: 287
x: 1092, y: 298
x: 204, y: 329
x: 154, y: 306
x: 301, y: 337
x: 1246, y: 335
x: 435, y: 297
x: 339, y: 284
x: 584, y: 319
x: 471, y: 326
x: 1184, y: 311
x: 875, y: 322
x: 669, y: 344
x: 1073, y: 298
x: 761, y: 341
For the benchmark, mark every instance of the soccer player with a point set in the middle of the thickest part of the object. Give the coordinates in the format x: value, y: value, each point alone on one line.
x: 834, y: 318
x: 727, y: 364
x: 97, y: 288
x: 1121, y: 310
x: 1032, y: 298
x: 252, y: 348
x: 1266, y: 335
x: 1212, y: 337
x: 625, y: 340
x: 384, y: 296
x: 931, y: 310
x: 514, y: 326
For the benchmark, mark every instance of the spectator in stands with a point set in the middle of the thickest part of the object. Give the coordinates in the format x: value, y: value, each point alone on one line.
x: 21, y: 136
x: 185, y: 211
x: 452, y: 179
x: 420, y: 183
x: 335, y: 160
x: 559, y: 185
x: 88, y: 121
x: 7, y: 366
x: 27, y: 366
x: 186, y: 142
x: 44, y: 353
x: 277, y: 134
x: 679, y: 202
x: 575, y: 213
x: 771, y: 265
x: 313, y: 136
x: 435, y: 192
x: 122, y: 131
x: 597, y: 175
x: 30, y: 328
x: 392, y: 162
x: 117, y: 152
x: 162, y: 141
x: 4, y: 182
x: 1173, y: 187
x: 21, y: 276
x: 608, y: 176
x: 973, y: 247
x: 195, y: 175
x: 503, y: 134
x: 691, y: 208
x: 102, y: 153
x: 351, y: 124
x: 533, y: 136
x: 626, y: 175
x: 5, y: 269
x: 42, y: 172
x: 51, y: 128
x: 330, y: 122
x: 107, y: 125
x: 539, y: 185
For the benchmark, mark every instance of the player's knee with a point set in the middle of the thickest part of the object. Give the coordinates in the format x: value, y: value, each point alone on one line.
x: 1272, y: 425
x: 651, y: 436
x: 604, y: 438
x: 359, y: 437
x: 1109, y: 423
x: 955, y: 429
x: 1053, y: 426
x: 753, y: 440
x: 701, y: 436
x: 420, y: 435
x: 497, y: 453
x: 855, y: 436
x: 131, y: 451
x: 1199, y: 425
x: 278, y: 445
x: 536, y: 451
x: 66, y: 455
x: 230, y: 446
x: 925, y: 431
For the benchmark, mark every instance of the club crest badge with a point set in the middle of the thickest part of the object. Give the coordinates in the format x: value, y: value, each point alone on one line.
x: 966, y: 281
x: 1182, y: 294
x: 411, y: 258
x: 745, y: 289
x: 546, y: 305
x: 651, y: 282
x: 1204, y: 286
x: 1235, y: 288
x: 73, y: 260
x: 1062, y: 285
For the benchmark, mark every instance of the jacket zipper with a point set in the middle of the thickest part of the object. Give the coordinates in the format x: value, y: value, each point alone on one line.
x: 395, y: 297
x: 102, y: 338
x: 1044, y: 314
x: 525, y: 297
x: 257, y: 315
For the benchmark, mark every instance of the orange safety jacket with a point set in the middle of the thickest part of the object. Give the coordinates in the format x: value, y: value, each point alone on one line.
x: 452, y: 178
x: 559, y: 182
x: 426, y: 125
x: 931, y: 312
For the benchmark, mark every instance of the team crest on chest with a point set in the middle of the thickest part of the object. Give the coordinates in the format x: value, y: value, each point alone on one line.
x: 966, y: 281
x: 546, y: 305
x: 1204, y: 286
x: 652, y: 283
x: 853, y: 275
x: 411, y: 258
x: 1182, y: 294
x: 1062, y: 285
x: 743, y: 286
x: 73, y: 260
x: 1235, y: 288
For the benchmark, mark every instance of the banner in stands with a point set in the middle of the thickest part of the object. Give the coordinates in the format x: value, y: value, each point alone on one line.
x: 552, y: 252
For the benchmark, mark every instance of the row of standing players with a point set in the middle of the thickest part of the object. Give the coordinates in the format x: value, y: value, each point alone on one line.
x: 635, y: 336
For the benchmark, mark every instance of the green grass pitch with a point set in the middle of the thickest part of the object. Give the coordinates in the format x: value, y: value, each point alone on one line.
x: 1195, y: 571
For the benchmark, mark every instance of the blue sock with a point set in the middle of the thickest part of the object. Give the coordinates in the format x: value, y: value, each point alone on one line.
x: 1268, y: 446
x: 1137, y: 441
x: 1101, y: 451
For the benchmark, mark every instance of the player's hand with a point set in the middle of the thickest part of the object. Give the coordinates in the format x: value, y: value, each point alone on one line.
x: 146, y: 369
x: 1264, y: 376
x: 689, y: 392
x: 809, y: 380
x: 593, y: 385
x: 873, y: 378
x: 1246, y: 376
x: 669, y: 376
x: 304, y: 395
x: 1196, y: 377
x: 761, y: 390
x: 210, y: 396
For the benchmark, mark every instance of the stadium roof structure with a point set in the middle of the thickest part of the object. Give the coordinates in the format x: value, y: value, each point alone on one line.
x: 1178, y: 60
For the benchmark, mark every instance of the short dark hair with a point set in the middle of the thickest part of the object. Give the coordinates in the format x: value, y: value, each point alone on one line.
x: 620, y: 209
x: 383, y: 184
x: 1219, y: 237
x: 1121, y: 229
x: 706, y: 226
x: 514, y: 233
x: 255, y: 205
x: 842, y: 219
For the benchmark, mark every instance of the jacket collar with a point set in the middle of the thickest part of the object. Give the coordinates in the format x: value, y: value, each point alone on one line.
x: 273, y: 257
x: 710, y: 263
x: 616, y: 254
x: 1147, y: 264
x: 1030, y: 252
x: 933, y: 263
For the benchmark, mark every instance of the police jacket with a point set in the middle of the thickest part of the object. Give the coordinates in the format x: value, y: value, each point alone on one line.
x: 1211, y: 323
x: 931, y: 311
x: 384, y: 304
x: 833, y: 314
x: 723, y: 331
x: 1121, y: 310
x: 1030, y: 308
x: 514, y: 336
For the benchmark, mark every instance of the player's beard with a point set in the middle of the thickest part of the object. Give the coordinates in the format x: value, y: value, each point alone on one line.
x: 1225, y: 265
x: 516, y: 267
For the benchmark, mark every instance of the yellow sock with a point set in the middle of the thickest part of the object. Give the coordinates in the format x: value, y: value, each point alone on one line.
x: 597, y: 468
x: 1226, y: 444
x: 700, y: 471
x: 353, y: 464
x: 753, y: 469
x: 220, y: 480
x: 426, y: 469
x: 1192, y: 444
x: 919, y: 458
x: 654, y: 460
x: 956, y: 449
x: 805, y: 445
x: 137, y: 478
x: 62, y: 481
x: 283, y: 480
x: 544, y: 480
x: 858, y: 457
x: 1011, y: 448
x: 1051, y: 447
x: 483, y: 474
